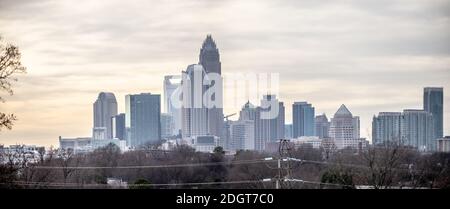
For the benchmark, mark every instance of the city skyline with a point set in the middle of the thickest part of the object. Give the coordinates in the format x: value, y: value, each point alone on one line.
x: 366, y: 78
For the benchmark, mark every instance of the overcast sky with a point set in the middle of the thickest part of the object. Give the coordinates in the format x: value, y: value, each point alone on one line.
x: 372, y: 56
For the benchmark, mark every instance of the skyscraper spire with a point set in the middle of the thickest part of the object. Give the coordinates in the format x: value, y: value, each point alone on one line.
x: 209, y: 56
x: 209, y: 44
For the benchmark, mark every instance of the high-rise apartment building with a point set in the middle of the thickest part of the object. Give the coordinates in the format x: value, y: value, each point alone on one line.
x: 417, y: 129
x: 386, y: 127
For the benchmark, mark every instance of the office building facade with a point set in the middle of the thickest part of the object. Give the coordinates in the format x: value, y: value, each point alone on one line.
x: 433, y: 102
x: 105, y: 107
x: 268, y: 130
x: 386, y: 127
x: 344, y: 129
x: 322, y: 126
x: 143, y: 119
x: 418, y: 129
x: 303, y: 119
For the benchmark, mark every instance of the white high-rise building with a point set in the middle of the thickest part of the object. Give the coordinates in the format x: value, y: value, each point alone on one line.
x: 105, y: 108
x: 193, y: 112
x: 171, y: 90
x: 242, y: 135
x: 268, y: 130
x: 344, y: 129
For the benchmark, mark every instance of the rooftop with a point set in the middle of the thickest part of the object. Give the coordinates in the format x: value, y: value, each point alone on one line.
x: 343, y: 112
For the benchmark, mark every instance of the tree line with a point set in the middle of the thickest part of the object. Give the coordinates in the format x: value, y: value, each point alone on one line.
x: 378, y: 167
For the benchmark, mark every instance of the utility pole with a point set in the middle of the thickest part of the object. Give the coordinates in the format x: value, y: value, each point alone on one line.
x: 277, y: 182
x: 284, y: 164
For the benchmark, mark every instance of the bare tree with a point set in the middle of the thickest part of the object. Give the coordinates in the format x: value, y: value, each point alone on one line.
x: 8, y: 172
x: 384, y: 164
x: 10, y: 64
x: 67, y: 160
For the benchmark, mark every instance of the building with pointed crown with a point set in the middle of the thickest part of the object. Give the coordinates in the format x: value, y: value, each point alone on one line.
x: 344, y: 129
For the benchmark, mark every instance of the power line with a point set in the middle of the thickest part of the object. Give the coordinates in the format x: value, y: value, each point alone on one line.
x: 223, y: 163
x: 315, y: 182
x: 156, y: 166
x: 61, y: 184
x: 57, y: 184
x: 354, y: 165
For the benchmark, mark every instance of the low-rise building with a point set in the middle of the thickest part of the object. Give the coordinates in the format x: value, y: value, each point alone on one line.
x: 116, y: 183
x: 315, y: 141
x: 77, y: 145
x: 204, y: 143
x: 88, y: 144
x: 443, y: 144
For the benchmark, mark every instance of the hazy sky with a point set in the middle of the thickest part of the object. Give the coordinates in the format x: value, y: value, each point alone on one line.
x: 371, y: 55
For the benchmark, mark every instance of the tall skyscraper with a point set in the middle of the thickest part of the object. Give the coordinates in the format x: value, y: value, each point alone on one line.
x: 172, y: 88
x: 303, y: 119
x: 418, y: 129
x: 344, y: 129
x: 386, y: 127
x: 143, y: 120
x: 322, y: 126
x: 119, y: 130
x: 105, y: 107
x: 199, y: 118
x: 268, y: 130
x: 209, y: 58
x: 433, y: 102
x: 194, y: 113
